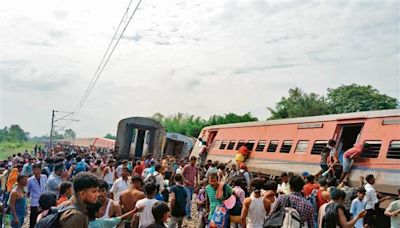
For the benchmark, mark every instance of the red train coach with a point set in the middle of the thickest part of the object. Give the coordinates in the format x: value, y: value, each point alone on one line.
x: 296, y: 144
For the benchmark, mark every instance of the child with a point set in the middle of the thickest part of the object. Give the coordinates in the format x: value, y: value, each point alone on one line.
x: 66, y: 190
x: 46, y: 201
x: 178, y: 202
x: 201, y: 204
x: 357, y: 205
x: 160, y: 211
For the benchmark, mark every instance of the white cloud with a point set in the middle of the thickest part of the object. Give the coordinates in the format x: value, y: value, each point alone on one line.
x: 200, y: 57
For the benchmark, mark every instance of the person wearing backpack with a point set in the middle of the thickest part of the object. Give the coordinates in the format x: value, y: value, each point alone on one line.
x: 216, y: 193
x: 246, y: 177
x: 255, y: 207
x: 333, y: 214
x: 178, y: 202
x: 296, y: 201
x: 46, y: 201
x: 157, y: 178
x: 85, y: 192
x: 235, y: 212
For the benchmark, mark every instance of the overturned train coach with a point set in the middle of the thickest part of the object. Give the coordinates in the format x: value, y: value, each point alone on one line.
x: 295, y: 145
x: 138, y: 137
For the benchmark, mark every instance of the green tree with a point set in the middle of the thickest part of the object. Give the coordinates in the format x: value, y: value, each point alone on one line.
x: 110, y: 136
x: 230, y: 118
x: 69, y: 134
x: 355, y: 98
x: 15, y: 133
x: 299, y: 104
x: 3, y: 134
x: 191, y: 125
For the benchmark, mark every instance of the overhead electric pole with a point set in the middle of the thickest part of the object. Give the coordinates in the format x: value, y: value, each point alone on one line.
x: 51, y: 129
x: 53, y: 120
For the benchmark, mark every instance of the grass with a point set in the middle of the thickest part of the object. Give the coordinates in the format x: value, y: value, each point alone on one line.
x: 9, y: 148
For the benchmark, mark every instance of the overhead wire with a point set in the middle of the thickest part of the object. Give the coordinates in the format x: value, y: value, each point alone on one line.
x: 102, y: 59
x: 103, y: 63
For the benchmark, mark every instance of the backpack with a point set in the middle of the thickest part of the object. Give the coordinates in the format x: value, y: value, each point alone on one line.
x: 151, y: 179
x: 220, y: 217
x: 286, y: 217
x: 53, y: 217
x: 237, y: 209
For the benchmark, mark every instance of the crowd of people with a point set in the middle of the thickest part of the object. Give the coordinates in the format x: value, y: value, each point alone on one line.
x: 71, y: 186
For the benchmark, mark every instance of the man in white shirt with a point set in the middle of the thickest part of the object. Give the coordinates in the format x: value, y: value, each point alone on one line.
x: 121, y: 184
x: 118, y: 171
x: 283, y: 187
x: 158, y: 176
x: 146, y: 217
x: 371, y: 198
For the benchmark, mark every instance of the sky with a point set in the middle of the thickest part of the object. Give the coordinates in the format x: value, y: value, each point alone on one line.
x: 201, y: 57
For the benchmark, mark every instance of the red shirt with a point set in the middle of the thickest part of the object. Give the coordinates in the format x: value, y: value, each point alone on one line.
x: 353, y: 152
x: 138, y: 169
x: 61, y: 200
x: 320, y: 199
x: 189, y: 174
x: 308, y: 188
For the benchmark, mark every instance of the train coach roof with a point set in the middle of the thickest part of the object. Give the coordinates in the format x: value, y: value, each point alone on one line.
x: 311, y: 119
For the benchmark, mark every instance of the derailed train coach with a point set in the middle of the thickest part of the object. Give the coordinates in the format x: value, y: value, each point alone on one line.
x: 138, y: 137
x: 296, y: 144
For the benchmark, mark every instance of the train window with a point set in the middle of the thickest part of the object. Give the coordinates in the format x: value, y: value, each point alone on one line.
x: 318, y: 146
x: 273, y: 144
x: 301, y: 146
x: 231, y: 144
x: 216, y: 145
x: 250, y: 145
x: 240, y: 143
x: 261, y: 145
x: 372, y: 150
x: 286, y: 146
x: 223, y: 144
x: 394, y: 150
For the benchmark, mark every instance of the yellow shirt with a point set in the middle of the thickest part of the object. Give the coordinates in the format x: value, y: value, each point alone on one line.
x: 239, y: 157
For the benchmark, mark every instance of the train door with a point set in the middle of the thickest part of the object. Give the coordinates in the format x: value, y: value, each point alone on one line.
x: 140, y: 143
x: 348, y: 136
x: 211, y: 137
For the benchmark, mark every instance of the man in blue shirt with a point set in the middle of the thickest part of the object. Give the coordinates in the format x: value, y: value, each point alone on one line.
x: 358, y: 205
x: 27, y: 169
x: 55, y: 179
x: 36, y: 187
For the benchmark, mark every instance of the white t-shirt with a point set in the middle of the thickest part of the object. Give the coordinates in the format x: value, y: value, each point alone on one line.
x: 119, y: 171
x: 119, y: 186
x: 145, y: 217
x: 370, y: 197
x: 179, y: 170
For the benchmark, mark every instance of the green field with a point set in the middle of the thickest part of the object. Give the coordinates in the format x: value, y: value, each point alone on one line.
x: 9, y: 148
